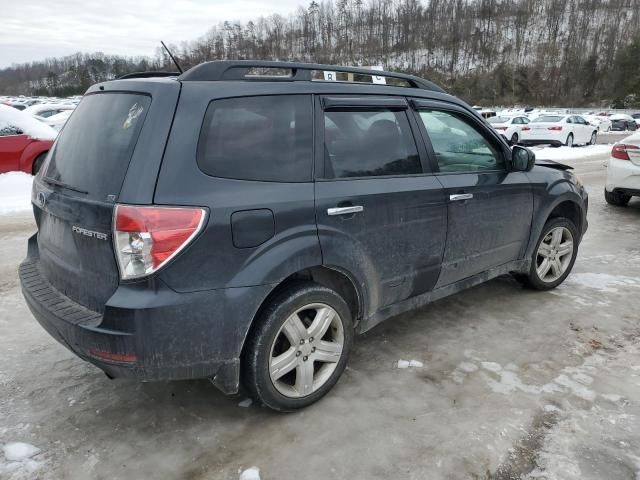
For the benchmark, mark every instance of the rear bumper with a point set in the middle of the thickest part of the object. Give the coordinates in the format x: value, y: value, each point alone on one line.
x: 622, y: 176
x: 532, y: 142
x: 148, y: 331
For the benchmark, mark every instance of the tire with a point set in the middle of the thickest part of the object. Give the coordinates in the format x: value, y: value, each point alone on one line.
x: 594, y: 138
x: 569, y: 142
x: 550, y: 279
x: 514, y: 139
x: 617, y: 199
x: 286, y: 325
x: 37, y: 163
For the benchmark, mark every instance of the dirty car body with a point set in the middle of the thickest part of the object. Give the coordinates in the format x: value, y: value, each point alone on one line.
x: 431, y: 221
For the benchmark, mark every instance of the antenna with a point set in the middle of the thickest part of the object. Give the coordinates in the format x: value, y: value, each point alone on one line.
x: 172, y: 57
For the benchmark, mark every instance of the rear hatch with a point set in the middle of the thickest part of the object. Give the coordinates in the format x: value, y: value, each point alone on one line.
x: 74, y: 196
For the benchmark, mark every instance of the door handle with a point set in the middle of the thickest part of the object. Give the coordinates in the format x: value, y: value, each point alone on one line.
x: 344, y: 210
x: 460, y: 196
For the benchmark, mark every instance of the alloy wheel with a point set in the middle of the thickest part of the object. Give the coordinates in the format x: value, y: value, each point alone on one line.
x: 306, y: 350
x: 554, y: 254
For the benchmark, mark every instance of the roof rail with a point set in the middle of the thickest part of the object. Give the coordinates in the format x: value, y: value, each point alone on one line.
x: 239, y: 70
x: 148, y: 75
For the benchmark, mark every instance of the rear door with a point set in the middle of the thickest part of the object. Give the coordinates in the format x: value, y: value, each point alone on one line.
x: 489, y: 208
x: 380, y: 212
x: 74, y: 196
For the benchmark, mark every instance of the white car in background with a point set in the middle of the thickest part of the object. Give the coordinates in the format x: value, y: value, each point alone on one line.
x: 603, y: 123
x: 557, y: 130
x: 46, y: 110
x: 623, y: 172
x: 58, y: 121
x: 511, y: 128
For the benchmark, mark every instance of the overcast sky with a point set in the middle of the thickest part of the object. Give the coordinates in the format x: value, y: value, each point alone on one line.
x: 37, y: 29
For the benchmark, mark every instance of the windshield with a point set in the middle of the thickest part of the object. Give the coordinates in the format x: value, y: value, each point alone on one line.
x: 94, y: 149
x: 548, y: 119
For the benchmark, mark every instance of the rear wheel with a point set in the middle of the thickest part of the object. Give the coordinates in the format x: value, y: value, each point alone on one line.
x: 617, y: 199
x: 37, y: 163
x: 594, y: 138
x: 569, y: 142
x: 554, y: 255
x: 299, y: 348
x: 514, y: 139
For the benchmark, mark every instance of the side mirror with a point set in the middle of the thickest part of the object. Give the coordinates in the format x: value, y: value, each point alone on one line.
x: 522, y: 159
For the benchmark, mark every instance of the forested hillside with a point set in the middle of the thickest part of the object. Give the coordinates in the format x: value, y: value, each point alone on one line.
x: 578, y: 52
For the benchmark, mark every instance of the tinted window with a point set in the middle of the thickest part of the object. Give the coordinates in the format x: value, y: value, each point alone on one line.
x: 94, y: 149
x: 365, y: 144
x: 266, y: 138
x: 458, y: 146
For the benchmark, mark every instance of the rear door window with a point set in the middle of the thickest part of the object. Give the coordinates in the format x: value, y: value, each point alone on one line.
x: 93, y: 151
x: 264, y: 138
x: 369, y: 144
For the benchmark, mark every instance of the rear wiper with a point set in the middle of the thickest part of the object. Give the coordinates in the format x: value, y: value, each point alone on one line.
x: 58, y: 183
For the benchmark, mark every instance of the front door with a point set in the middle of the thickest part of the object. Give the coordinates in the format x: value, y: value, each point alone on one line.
x: 380, y: 213
x: 489, y: 208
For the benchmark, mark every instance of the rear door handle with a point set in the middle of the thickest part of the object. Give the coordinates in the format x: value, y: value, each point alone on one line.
x: 460, y: 196
x: 344, y: 210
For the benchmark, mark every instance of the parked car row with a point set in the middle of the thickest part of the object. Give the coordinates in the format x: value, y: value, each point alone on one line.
x: 52, y: 111
x: 555, y: 130
x: 570, y: 129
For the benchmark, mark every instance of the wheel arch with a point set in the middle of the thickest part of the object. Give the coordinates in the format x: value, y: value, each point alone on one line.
x: 329, y: 276
x: 566, y: 206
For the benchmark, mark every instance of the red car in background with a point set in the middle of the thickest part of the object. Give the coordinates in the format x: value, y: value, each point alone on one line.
x: 24, y: 141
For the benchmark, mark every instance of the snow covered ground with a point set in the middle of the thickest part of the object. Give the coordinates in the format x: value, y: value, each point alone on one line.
x: 572, y: 153
x: 15, y: 192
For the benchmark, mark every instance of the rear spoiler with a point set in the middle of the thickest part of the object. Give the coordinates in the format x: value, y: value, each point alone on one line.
x: 552, y: 164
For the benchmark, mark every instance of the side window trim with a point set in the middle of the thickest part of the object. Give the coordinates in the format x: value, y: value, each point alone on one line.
x: 422, y: 104
x: 362, y: 103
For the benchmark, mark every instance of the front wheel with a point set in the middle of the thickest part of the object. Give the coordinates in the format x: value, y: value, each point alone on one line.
x: 299, y: 347
x: 554, y: 255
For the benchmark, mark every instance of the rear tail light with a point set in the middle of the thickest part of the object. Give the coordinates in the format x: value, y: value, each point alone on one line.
x: 555, y: 129
x: 526, y: 129
x: 619, y: 151
x: 146, y: 238
x: 501, y: 128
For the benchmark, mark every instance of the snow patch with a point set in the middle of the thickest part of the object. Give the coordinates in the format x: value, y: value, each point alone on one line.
x: 568, y: 153
x: 601, y: 281
x: 410, y: 364
x: 252, y: 473
x: 19, y: 451
x: 10, y: 117
x: 245, y: 403
x: 15, y: 192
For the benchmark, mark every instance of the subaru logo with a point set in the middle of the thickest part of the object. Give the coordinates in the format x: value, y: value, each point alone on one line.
x: 41, y: 199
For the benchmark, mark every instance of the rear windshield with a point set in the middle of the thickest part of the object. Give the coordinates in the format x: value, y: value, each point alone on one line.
x: 498, y: 119
x: 94, y: 149
x: 548, y: 119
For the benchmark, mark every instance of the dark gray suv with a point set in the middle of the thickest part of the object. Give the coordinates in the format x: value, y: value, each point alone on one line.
x: 244, y: 220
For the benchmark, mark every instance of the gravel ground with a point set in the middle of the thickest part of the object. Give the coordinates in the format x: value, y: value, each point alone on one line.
x: 515, y: 384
